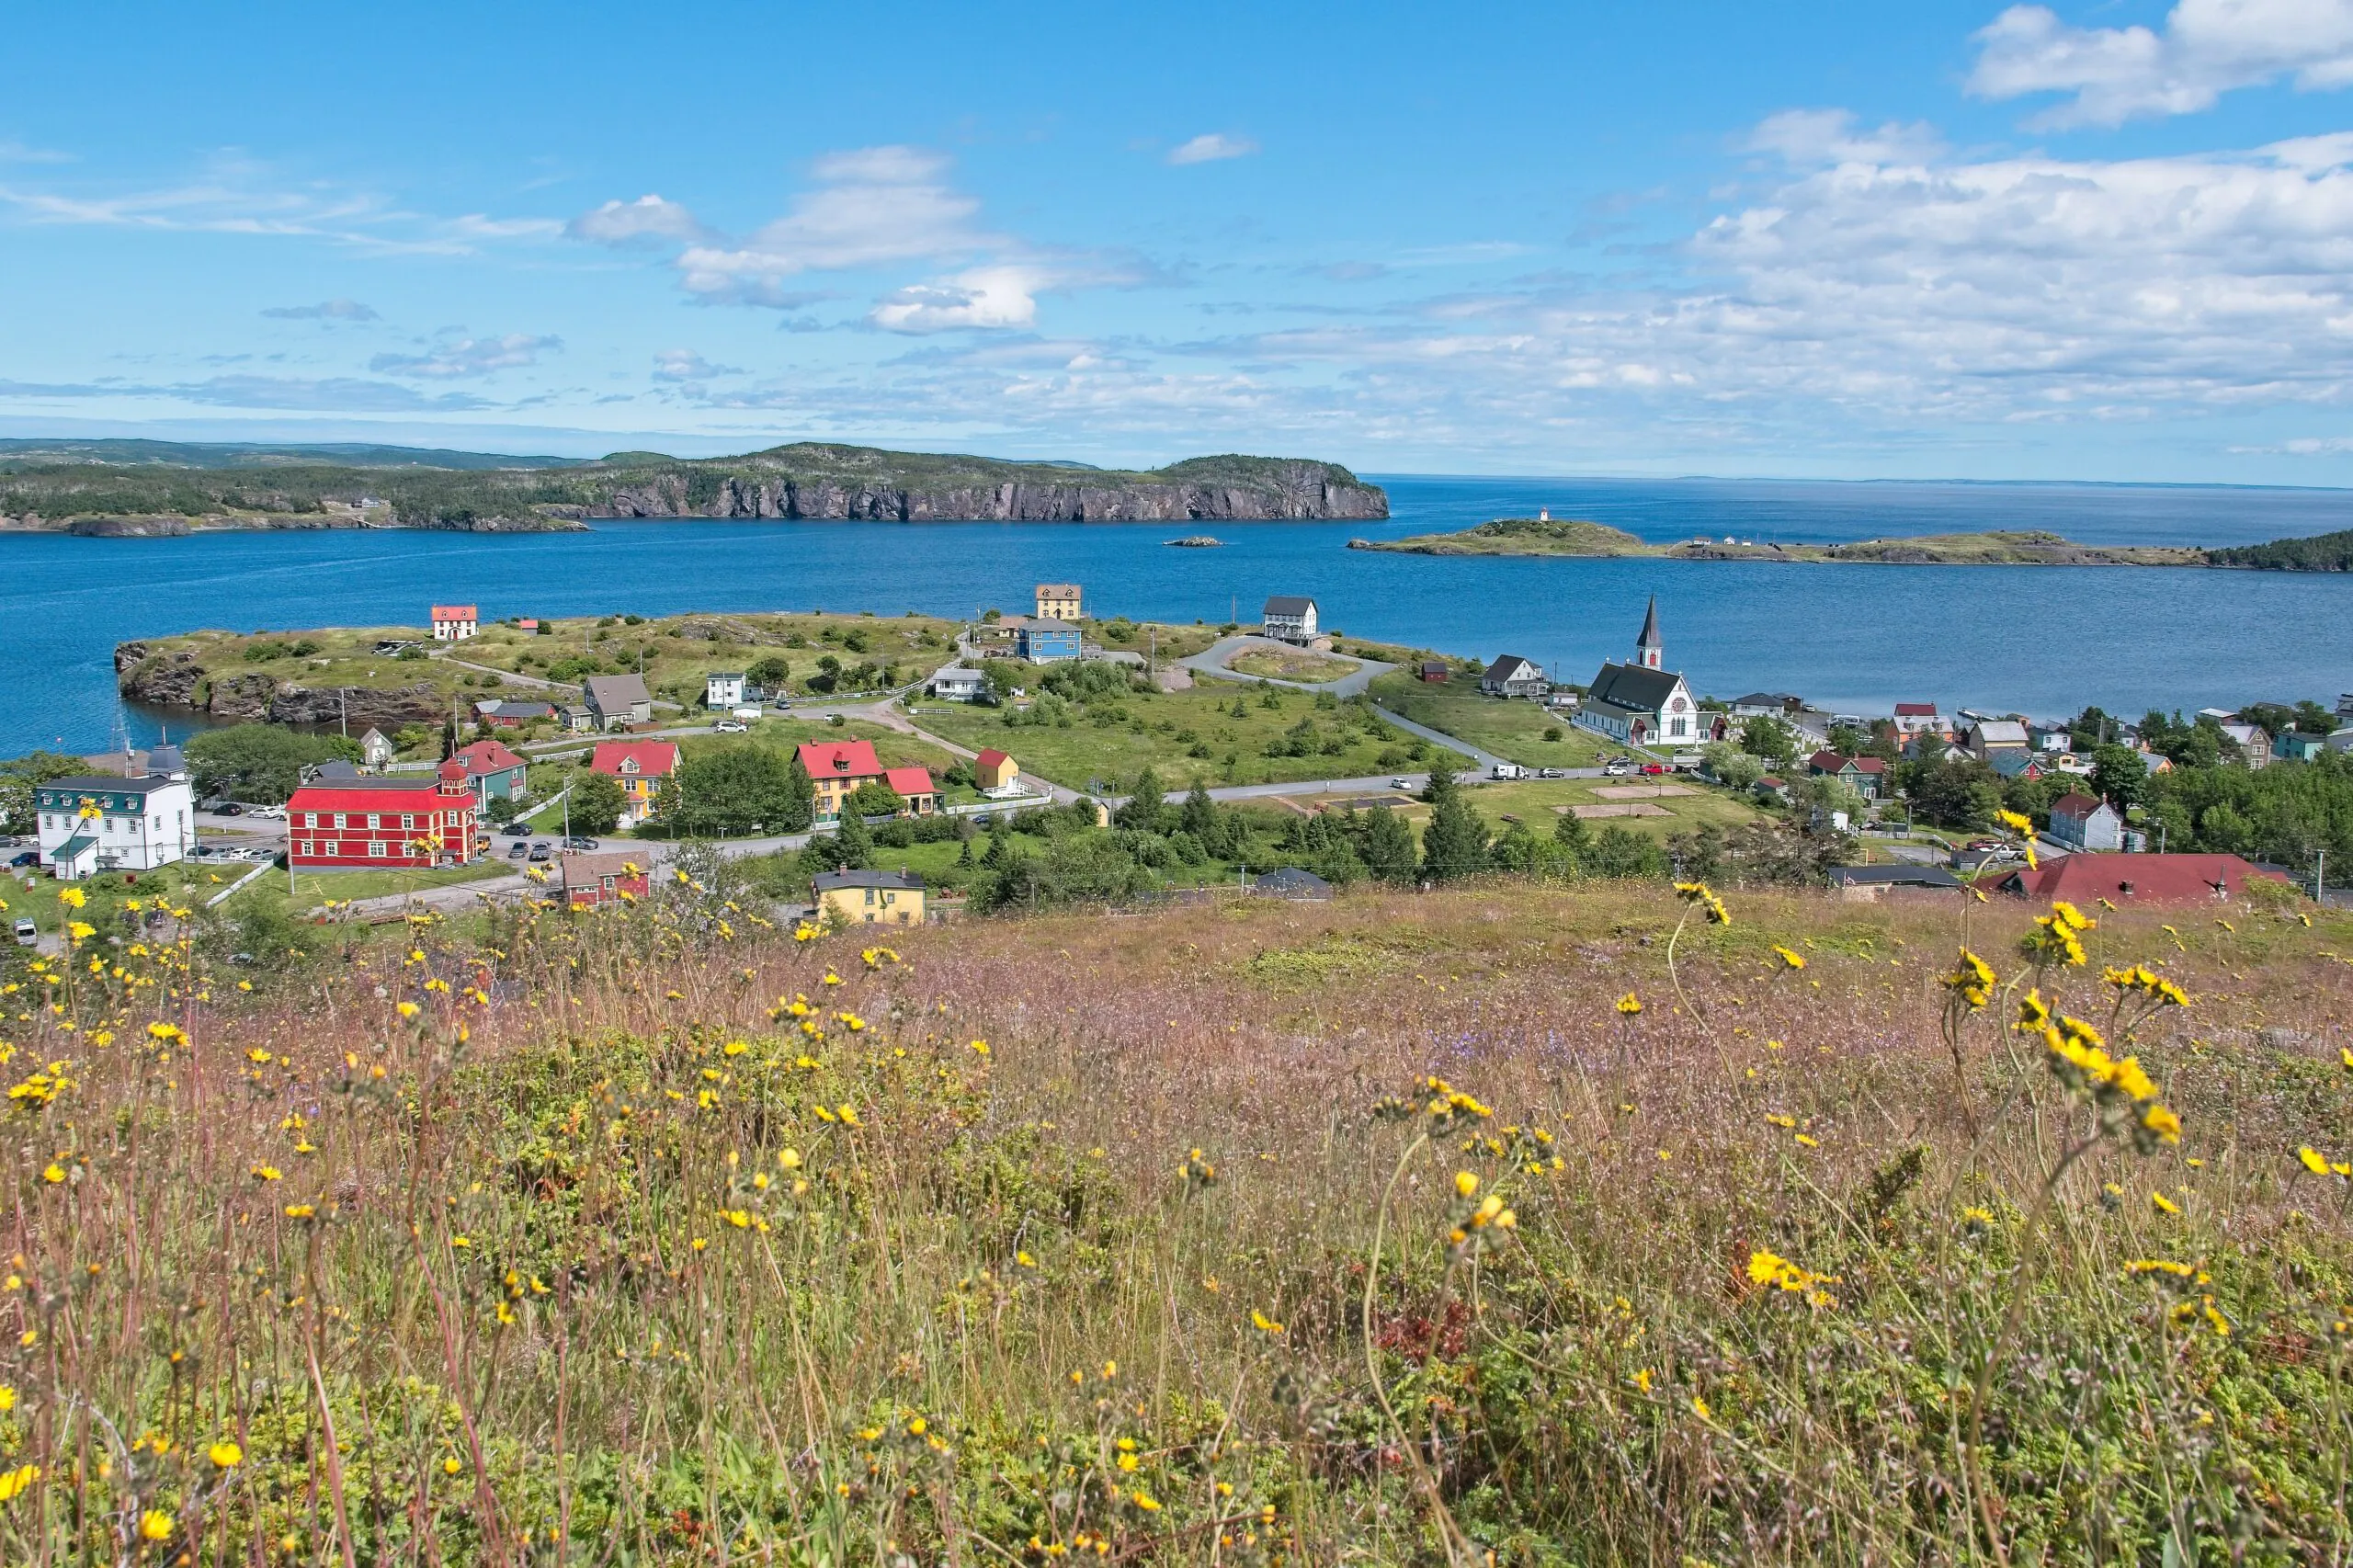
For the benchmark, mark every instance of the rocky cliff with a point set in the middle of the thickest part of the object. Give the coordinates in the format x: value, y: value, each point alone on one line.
x: 180, y: 680
x: 160, y: 495
x: 1286, y: 490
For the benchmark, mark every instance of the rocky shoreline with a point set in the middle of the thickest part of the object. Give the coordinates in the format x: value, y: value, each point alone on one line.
x: 179, y: 680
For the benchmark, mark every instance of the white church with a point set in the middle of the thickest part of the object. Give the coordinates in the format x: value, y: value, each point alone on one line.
x: 1642, y: 703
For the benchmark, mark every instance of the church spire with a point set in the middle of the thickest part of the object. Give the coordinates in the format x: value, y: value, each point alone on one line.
x: 1649, y: 650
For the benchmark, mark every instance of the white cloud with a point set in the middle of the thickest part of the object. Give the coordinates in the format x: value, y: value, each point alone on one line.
x: 18, y: 153
x: 650, y: 220
x: 982, y: 297
x: 686, y: 365
x: 328, y: 310
x: 1211, y: 147
x: 872, y: 206
x: 1828, y: 136
x: 468, y: 356
x: 2207, y: 47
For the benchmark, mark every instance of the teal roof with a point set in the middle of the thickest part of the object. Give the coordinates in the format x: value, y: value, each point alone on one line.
x: 71, y: 848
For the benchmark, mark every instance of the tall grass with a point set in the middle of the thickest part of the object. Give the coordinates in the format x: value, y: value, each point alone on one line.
x: 665, y: 1237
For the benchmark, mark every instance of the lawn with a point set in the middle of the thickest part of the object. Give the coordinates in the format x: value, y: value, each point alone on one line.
x: 313, y: 888
x: 1536, y: 802
x: 1513, y: 728
x: 27, y: 893
x: 1218, y: 734
x: 1291, y: 664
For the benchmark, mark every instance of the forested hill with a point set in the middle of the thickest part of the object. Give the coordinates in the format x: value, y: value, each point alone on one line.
x: 156, y: 487
x: 2322, y: 552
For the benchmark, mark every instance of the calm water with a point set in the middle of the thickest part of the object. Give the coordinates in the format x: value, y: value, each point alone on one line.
x: 2042, y: 640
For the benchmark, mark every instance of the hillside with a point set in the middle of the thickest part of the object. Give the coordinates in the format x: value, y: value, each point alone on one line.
x: 1517, y: 535
x: 155, y: 488
x: 1374, y: 1231
x: 2322, y: 552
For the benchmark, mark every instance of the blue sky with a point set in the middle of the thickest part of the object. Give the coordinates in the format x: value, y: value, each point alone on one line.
x: 2104, y: 241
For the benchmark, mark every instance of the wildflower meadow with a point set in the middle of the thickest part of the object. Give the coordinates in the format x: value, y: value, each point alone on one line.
x: 1510, y: 1224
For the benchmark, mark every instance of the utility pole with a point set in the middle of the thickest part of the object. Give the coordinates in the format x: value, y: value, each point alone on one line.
x: 2320, y: 877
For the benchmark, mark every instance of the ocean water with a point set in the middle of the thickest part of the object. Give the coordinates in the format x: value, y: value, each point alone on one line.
x: 1853, y: 638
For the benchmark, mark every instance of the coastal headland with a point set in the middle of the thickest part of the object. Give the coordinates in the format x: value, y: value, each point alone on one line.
x: 1581, y: 538
x: 141, y: 489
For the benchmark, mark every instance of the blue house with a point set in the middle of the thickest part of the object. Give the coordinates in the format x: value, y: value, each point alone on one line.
x: 1043, y: 642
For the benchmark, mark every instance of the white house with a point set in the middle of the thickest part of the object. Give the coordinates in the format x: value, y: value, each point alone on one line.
x: 374, y: 749
x: 1512, y: 675
x: 454, y: 623
x: 722, y: 690
x: 1290, y: 619
x: 92, y: 823
x: 2084, y: 823
x: 957, y: 684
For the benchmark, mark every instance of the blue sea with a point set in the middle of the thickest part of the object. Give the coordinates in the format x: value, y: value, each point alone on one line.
x: 2044, y: 640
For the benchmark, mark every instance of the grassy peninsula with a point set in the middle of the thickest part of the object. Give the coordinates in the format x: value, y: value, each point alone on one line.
x: 154, y: 488
x: 1569, y: 537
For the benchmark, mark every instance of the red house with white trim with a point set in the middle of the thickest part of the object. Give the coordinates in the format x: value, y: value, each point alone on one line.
x: 383, y: 824
x: 838, y: 767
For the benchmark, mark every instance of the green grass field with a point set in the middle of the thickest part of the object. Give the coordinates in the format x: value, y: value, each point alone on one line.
x: 313, y: 888
x: 1511, y: 728
x: 1187, y: 735
x: 1536, y: 802
x: 1290, y: 664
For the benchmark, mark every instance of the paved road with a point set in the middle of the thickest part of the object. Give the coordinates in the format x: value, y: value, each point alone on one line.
x: 1210, y: 660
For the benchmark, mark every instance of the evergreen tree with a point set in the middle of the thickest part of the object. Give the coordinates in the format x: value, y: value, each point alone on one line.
x: 1197, y: 816
x: 1387, y: 847
x: 853, y: 844
x: 1146, y: 805
x: 1455, y: 843
x: 1570, y: 833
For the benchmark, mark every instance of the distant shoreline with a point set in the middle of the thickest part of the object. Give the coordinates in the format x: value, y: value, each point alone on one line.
x: 1579, y: 539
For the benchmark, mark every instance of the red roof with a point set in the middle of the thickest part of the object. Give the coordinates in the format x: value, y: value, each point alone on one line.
x: 2138, y: 878
x: 2074, y: 805
x: 909, y: 782
x: 840, y: 760
x: 1825, y: 762
x: 380, y: 795
x: 454, y: 612
x: 1871, y: 765
x: 488, y: 756
x: 655, y: 758
x: 991, y: 759
x: 1916, y: 709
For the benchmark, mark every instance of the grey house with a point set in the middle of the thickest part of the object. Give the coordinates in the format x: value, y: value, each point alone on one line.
x: 617, y: 701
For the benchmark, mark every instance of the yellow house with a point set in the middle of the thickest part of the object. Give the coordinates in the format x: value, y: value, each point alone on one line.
x: 869, y: 898
x: 1058, y: 601
x: 995, y: 770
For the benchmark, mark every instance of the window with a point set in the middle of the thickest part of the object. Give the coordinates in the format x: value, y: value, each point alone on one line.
x: 408, y: 819
x: 375, y: 821
x: 375, y: 848
x: 335, y: 820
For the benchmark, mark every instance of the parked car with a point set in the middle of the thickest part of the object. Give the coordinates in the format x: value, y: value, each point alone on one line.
x: 1400, y: 783
x: 516, y: 829
x: 1552, y: 773
x: 730, y: 727
x: 540, y: 851
x: 28, y: 934
x: 229, y: 809
x: 30, y: 857
x: 1618, y: 767
x: 518, y: 851
x: 1651, y: 769
x: 579, y: 842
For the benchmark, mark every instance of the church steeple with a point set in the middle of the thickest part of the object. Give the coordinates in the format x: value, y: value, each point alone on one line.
x: 1649, y: 650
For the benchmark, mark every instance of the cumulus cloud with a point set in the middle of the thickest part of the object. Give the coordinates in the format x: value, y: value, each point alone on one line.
x: 686, y: 365
x: 326, y: 310
x: 871, y: 206
x: 468, y: 356
x: 2205, y: 49
x: 982, y: 297
x: 1210, y: 147
x: 650, y: 220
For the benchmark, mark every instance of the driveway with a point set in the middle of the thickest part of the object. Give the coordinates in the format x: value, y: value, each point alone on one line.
x: 1210, y: 660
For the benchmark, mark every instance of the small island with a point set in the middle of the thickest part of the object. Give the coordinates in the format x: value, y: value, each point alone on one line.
x: 1568, y: 537
x: 1194, y: 542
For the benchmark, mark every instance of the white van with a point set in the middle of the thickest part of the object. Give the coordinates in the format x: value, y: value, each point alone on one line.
x: 28, y: 934
x: 1509, y: 770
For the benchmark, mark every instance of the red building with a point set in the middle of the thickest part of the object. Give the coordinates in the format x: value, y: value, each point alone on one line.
x: 384, y: 822
x: 2125, y: 879
x: 838, y: 767
x: 592, y: 880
